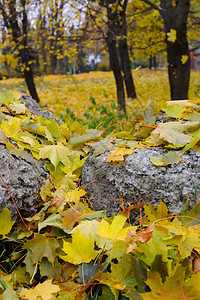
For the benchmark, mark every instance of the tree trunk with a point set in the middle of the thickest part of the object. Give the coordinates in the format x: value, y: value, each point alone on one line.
x: 175, y: 17
x: 126, y: 67
x: 28, y: 75
x: 53, y: 63
x: 124, y: 56
x: 116, y: 68
x: 154, y: 62
x: 8, y: 69
x: 25, y: 56
x: 20, y: 39
x: 150, y: 62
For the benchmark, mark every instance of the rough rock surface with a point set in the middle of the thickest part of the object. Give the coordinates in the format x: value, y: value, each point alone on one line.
x: 24, y: 177
x: 24, y: 180
x: 137, y: 178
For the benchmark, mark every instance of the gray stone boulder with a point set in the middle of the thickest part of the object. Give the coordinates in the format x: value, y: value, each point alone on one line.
x: 137, y: 178
x: 24, y: 179
x: 24, y: 176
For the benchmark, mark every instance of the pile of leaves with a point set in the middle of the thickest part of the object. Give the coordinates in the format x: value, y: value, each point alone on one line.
x: 69, y: 251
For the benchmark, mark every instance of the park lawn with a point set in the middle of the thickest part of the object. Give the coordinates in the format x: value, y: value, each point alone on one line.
x: 58, y: 92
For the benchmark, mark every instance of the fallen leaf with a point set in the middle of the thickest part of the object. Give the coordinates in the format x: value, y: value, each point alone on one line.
x: 5, y: 221
x: 41, y: 246
x: 171, y: 132
x: 118, y: 154
x: 70, y: 217
x: 80, y: 250
x: 115, y: 230
x: 43, y: 291
x: 56, y: 153
x: 164, y: 160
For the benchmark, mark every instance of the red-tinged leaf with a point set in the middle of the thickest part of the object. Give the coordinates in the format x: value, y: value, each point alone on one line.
x: 70, y: 218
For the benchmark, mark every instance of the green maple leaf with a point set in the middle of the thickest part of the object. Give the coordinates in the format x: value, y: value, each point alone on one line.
x: 171, y: 132
x: 185, y: 238
x: 154, y: 214
x: 89, y: 136
x: 118, y: 249
x: 45, y: 190
x: 7, y: 98
x: 75, y: 164
x: 5, y: 221
x: 194, y: 216
x: 40, y: 247
x: 102, y: 146
x: 175, y: 111
x: 121, y: 277
x: 9, y: 294
x: 155, y: 246
x: 177, y: 108
x: 46, y: 268
x: 51, y: 127
x: 194, y: 140
x: 80, y: 250
x: 53, y: 220
x: 56, y: 153
x: 175, y: 286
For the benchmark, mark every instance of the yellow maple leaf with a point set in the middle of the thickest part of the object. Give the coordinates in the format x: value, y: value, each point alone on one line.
x: 184, y: 59
x: 171, y: 35
x: 5, y: 221
x: 118, y: 154
x: 172, y: 132
x: 18, y: 108
x: 45, y: 191
x: 56, y: 153
x: 11, y: 128
x: 80, y: 250
x: 115, y: 230
x: 3, y: 137
x: 42, y: 291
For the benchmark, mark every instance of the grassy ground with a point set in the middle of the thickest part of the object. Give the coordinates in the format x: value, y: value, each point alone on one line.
x: 59, y: 92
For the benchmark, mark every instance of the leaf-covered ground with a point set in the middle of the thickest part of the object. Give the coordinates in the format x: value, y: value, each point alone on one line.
x: 60, y: 92
x: 69, y: 251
